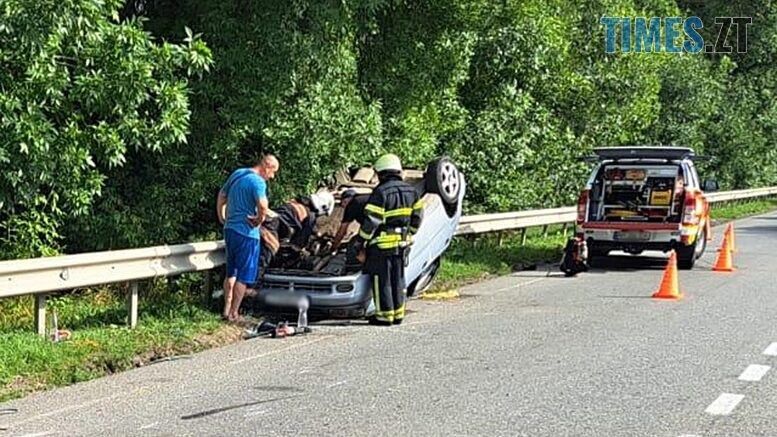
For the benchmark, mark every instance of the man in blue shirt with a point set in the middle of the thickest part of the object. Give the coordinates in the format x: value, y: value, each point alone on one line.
x: 241, y: 207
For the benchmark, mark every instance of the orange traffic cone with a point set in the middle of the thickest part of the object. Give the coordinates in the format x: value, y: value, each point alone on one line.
x: 731, y: 238
x: 724, y: 262
x: 669, y: 288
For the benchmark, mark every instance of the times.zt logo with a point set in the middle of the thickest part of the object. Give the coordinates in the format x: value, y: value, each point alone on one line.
x: 673, y: 35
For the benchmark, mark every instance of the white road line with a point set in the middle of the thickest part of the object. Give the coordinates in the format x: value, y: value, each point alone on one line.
x: 150, y: 425
x: 283, y: 349
x: 255, y: 413
x: 336, y: 384
x: 522, y: 284
x: 724, y: 404
x: 689, y: 435
x: 771, y: 350
x: 38, y: 434
x: 754, y: 372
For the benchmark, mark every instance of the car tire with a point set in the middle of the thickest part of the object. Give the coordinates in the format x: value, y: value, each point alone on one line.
x: 596, y: 255
x: 425, y: 280
x: 687, y: 255
x: 442, y: 177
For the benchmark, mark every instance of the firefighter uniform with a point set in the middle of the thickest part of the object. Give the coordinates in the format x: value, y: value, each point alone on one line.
x: 391, y: 217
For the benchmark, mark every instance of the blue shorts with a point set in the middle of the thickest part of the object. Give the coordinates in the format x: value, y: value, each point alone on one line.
x: 242, y: 256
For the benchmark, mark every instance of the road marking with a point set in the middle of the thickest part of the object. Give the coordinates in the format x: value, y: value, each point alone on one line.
x: 771, y: 350
x: 37, y: 434
x: 74, y: 407
x: 754, y: 372
x: 689, y: 435
x: 283, y: 349
x: 520, y: 285
x: 150, y: 425
x: 724, y: 404
x: 255, y: 413
x: 336, y: 384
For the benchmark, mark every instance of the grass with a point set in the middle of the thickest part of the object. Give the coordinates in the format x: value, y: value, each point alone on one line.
x: 171, y: 323
x: 469, y: 261
x: 733, y: 211
x: 173, y: 320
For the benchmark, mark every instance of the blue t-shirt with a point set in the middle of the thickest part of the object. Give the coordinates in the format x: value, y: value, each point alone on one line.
x: 243, y: 189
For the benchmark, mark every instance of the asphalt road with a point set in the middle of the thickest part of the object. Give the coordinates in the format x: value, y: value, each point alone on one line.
x: 531, y: 354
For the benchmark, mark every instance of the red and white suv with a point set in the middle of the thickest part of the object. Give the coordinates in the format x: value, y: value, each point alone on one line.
x: 645, y: 198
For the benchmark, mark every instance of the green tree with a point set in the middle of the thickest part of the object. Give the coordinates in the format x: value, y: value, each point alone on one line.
x: 80, y: 89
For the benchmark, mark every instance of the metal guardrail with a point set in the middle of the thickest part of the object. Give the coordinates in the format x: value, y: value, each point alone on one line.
x: 39, y: 276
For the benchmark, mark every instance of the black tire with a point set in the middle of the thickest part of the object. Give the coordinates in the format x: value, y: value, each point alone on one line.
x: 687, y: 255
x: 425, y: 280
x: 442, y: 177
x: 596, y: 256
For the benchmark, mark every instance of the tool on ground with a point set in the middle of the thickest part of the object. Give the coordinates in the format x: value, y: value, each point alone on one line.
x: 724, y: 262
x: 669, y: 288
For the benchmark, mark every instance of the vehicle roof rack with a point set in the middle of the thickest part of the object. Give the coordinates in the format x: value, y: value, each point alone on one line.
x: 669, y: 153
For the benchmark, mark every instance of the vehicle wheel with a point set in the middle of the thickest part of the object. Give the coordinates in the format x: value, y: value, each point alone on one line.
x: 442, y: 177
x: 687, y: 255
x: 703, y: 246
x: 596, y: 255
x: 423, y: 282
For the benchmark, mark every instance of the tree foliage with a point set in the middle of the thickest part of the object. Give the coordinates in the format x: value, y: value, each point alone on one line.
x: 79, y: 89
x: 515, y: 91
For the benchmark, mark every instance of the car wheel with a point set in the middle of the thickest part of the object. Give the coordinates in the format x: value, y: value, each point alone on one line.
x: 596, y: 255
x: 687, y: 255
x: 423, y: 282
x: 442, y: 177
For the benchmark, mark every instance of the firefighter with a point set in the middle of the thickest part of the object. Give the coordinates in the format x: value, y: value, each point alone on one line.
x: 391, y: 217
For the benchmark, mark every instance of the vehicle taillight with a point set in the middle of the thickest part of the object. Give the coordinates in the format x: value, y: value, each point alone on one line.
x: 582, y: 206
x: 692, y: 208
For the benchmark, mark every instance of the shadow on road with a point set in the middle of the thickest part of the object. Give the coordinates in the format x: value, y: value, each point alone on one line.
x: 627, y: 263
x: 234, y: 407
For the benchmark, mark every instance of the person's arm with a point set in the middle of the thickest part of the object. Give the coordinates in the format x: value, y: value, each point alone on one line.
x: 221, y: 207
x: 417, y: 216
x: 262, y: 206
x: 374, y: 216
x: 340, y: 235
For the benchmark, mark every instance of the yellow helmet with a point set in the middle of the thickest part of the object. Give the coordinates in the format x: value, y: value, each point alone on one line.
x: 388, y: 161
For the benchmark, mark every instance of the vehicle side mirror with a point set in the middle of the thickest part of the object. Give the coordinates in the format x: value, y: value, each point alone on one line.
x: 710, y: 185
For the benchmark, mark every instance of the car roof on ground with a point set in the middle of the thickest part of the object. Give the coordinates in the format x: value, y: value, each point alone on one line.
x: 643, y: 152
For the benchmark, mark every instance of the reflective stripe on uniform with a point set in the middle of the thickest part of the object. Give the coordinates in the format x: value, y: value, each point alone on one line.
x: 374, y: 210
x: 365, y: 235
x: 418, y: 205
x: 399, y: 212
x: 387, y: 241
x: 399, y: 313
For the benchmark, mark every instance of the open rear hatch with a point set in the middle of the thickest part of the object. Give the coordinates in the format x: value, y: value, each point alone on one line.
x: 638, y: 192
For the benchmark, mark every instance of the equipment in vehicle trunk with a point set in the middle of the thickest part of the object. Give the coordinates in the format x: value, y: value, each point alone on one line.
x: 647, y: 193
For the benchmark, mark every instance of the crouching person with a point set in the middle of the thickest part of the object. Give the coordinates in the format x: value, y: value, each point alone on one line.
x: 391, y: 217
x: 293, y: 223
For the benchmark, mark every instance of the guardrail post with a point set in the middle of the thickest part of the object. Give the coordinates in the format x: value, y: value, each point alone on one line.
x: 132, y: 305
x: 207, y: 291
x: 500, y: 239
x: 523, y: 237
x: 40, y: 314
x: 545, y: 231
x: 565, y: 229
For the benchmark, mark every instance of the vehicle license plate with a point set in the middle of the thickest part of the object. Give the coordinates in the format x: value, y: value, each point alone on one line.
x: 631, y: 236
